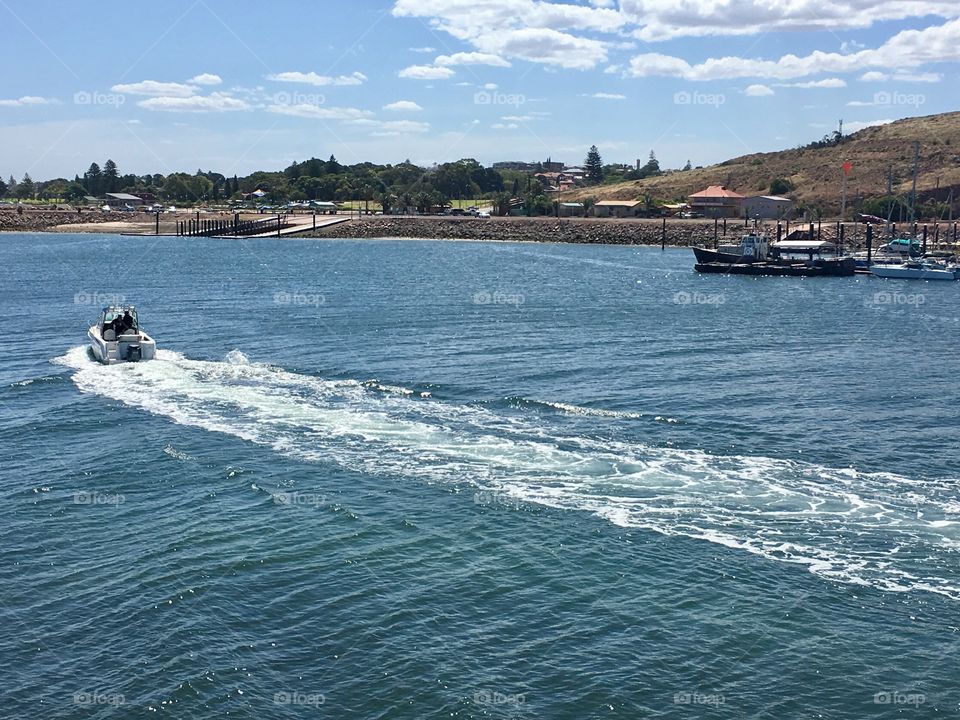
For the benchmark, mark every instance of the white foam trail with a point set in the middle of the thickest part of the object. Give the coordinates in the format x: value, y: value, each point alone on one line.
x: 883, y: 530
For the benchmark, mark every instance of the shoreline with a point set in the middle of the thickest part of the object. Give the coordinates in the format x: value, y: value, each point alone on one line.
x: 681, y: 233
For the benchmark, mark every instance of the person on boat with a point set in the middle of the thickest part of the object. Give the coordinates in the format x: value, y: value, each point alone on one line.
x: 127, y: 321
x: 117, y: 325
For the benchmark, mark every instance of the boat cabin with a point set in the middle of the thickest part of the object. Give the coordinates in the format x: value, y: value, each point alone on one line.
x: 809, y: 248
x: 750, y: 246
x: 116, y: 320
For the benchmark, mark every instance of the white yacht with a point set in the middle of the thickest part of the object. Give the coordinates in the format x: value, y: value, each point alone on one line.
x: 117, y: 337
x: 916, y: 270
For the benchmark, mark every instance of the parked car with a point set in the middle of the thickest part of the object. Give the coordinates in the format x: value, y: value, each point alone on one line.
x: 483, y: 214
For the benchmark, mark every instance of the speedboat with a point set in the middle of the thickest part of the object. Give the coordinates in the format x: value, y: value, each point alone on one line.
x: 916, y: 270
x: 117, y: 337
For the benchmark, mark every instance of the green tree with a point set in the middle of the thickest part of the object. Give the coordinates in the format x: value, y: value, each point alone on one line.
x: 780, y: 186
x: 110, y: 176
x: 93, y: 179
x: 12, y: 186
x: 74, y: 193
x: 652, y: 167
x: 594, y: 165
x: 26, y: 188
x: 3, y: 188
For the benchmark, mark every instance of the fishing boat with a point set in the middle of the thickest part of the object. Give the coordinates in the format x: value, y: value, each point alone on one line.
x: 790, y: 258
x: 926, y: 269
x: 117, y: 337
x: 752, y: 248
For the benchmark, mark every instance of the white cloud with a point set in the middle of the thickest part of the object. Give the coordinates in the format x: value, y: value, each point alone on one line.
x: 425, y: 50
x: 490, y: 86
x: 927, y: 77
x: 605, y: 96
x: 516, y: 118
x: 312, y: 78
x: 470, y: 58
x: 26, y: 101
x: 504, y: 126
x: 856, y: 125
x: 909, y: 77
x: 547, y: 46
x: 523, y: 29
x: 664, y: 19
x: 826, y: 83
x: 318, y: 112
x: 156, y: 89
x: 205, y: 79
x: 426, y: 72
x: 216, y: 102
x: 906, y: 49
x: 758, y: 91
x: 403, y: 106
x: 404, y: 126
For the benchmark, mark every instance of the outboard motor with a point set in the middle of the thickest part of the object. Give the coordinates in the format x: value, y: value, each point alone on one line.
x: 133, y: 353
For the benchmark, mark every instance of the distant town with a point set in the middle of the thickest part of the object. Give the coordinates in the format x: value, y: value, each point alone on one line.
x: 463, y: 187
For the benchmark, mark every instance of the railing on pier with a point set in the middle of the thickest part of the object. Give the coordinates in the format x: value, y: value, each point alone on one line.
x: 202, y: 227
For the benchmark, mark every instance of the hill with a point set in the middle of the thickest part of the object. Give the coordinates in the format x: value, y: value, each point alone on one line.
x: 816, y: 172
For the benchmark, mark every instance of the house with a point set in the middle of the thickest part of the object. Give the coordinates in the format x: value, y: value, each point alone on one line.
x: 767, y: 207
x: 323, y: 208
x: 717, y: 201
x: 617, y: 208
x: 122, y: 200
x: 571, y: 209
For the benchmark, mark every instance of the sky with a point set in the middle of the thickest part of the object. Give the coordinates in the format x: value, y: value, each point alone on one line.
x: 242, y: 86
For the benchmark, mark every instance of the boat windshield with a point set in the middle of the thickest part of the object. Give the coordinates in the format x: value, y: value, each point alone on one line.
x: 122, y: 319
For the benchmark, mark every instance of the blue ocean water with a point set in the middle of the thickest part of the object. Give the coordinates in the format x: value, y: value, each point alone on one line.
x: 404, y: 479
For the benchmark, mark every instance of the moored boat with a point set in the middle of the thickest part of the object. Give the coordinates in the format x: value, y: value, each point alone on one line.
x: 751, y: 248
x: 117, y: 337
x: 790, y: 258
x: 917, y: 270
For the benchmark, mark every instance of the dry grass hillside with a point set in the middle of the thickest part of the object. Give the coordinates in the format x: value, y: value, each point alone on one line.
x: 816, y: 173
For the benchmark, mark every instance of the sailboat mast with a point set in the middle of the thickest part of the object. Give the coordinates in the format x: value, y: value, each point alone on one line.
x: 913, y: 192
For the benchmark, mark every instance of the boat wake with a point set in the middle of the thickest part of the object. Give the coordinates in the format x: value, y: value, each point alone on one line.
x: 878, y: 529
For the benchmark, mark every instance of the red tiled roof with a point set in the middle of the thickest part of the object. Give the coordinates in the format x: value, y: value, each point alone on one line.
x: 717, y: 191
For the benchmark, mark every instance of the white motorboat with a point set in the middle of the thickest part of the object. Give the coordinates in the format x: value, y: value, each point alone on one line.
x: 117, y: 337
x: 915, y: 270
